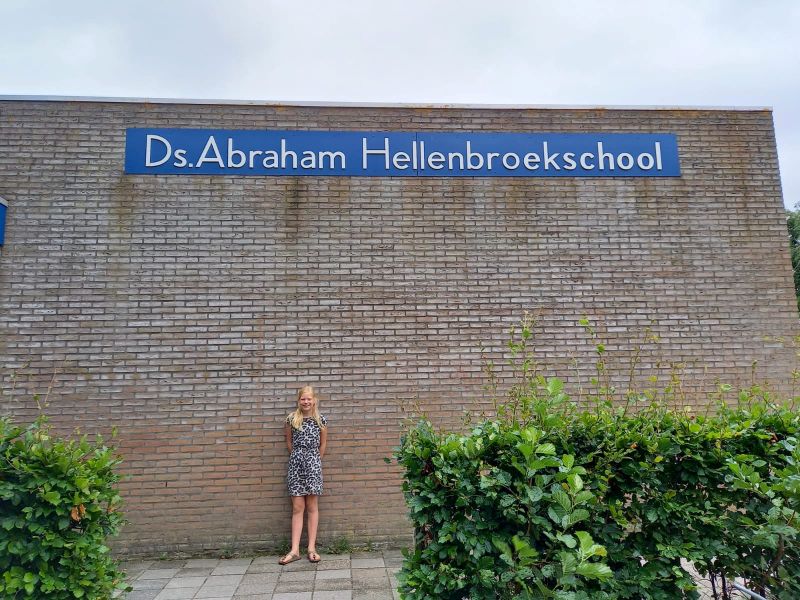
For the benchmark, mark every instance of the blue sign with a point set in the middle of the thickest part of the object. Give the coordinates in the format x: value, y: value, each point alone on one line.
x: 3, y: 208
x: 399, y: 154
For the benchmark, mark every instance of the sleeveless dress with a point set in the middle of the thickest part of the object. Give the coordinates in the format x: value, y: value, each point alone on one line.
x: 304, y: 477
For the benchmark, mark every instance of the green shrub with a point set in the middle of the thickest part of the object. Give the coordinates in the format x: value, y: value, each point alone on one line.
x: 549, y: 500
x: 58, y: 503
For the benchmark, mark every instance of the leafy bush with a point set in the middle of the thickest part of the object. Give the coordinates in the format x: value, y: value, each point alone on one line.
x: 552, y: 501
x: 58, y: 503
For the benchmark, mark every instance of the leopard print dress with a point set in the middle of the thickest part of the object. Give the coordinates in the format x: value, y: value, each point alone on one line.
x: 304, y: 477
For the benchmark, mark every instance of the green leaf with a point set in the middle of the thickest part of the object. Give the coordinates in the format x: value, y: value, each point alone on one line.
x: 526, y: 449
x: 554, y: 386
x: 568, y: 540
x: 568, y: 461
x: 568, y: 563
x: 556, y: 514
x: 562, y: 498
x: 576, y: 516
x: 585, y: 539
x: 575, y: 482
x: 52, y: 497
x: 594, y: 571
x: 547, y: 449
x: 534, y: 493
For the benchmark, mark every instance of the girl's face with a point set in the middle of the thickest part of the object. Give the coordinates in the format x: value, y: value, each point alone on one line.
x: 306, y: 402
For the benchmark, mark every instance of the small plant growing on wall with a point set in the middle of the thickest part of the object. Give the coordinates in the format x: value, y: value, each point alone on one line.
x: 58, y: 504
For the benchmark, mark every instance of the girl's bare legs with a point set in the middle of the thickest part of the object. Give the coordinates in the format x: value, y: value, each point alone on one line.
x: 312, y: 510
x: 298, y: 506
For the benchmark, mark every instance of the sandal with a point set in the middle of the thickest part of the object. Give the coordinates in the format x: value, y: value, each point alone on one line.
x: 313, y: 557
x: 289, y: 558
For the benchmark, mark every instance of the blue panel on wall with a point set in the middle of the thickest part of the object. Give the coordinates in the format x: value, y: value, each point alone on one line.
x: 399, y: 154
x: 3, y: 209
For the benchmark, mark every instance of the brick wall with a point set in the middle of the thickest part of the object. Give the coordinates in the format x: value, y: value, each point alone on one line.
x: 186, y: 311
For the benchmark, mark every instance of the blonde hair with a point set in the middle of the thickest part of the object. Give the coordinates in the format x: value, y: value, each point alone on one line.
x: 296, y: 416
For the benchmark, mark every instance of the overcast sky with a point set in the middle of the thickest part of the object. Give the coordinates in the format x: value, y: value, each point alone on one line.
x: 610, y: 52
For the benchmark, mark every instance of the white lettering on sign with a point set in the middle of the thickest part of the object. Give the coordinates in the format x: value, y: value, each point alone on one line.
x: 148, y: 152
x: 548, y: 161
x: 367, y: 152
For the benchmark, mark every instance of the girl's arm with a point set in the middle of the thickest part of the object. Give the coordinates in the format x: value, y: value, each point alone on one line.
x: 287, y: 429
x: 323, y: 441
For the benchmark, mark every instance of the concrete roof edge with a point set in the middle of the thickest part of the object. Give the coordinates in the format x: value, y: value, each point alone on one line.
x: 436, y: 105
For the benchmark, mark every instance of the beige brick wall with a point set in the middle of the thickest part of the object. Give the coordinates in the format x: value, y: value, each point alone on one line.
x: 186, y: 310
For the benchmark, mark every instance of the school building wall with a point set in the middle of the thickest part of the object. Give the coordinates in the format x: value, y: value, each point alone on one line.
x: 186, y: 310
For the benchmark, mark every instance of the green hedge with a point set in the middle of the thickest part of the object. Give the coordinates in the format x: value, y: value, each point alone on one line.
x: 603, y: 505
x: 58, y: 503
x: 551, y: 501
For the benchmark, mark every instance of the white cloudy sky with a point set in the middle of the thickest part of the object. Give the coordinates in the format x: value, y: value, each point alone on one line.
x: 610, y: 52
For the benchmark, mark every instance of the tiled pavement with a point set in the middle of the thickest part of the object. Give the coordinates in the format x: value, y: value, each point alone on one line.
x: 358, y: 576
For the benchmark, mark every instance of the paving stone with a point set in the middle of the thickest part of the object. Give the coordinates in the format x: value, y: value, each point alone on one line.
x: 297, y: 576
x: 255, y: 578
x: 329, y: 556
x: 256, y: 588
x: 230, y: 568
x: 294, y: 586
x: 134, y: 567
x: 372, y: 583
x: 369, y: 573
x: 292, y: 596
x: 150, y: 584
x: 158, y: 574
x: 178, y: 593
x: 373, y: 595
x: 201, y: 563
x: 216, y: 591
x: 333, y: 563
x: 334, y: 574
x: 334, y: 595
x: 178, y: 582
x: 142, y: 595
x: 195, y: 572
x: 333, y: 584
x: 239, y: 596
x: 236, y: 561
x: 169, y: 564
x: 367, y: 563
x: 224, y: 580
x: 264, y: 567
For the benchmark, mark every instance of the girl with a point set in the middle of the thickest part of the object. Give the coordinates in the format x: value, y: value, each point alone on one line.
x: 306, y: 437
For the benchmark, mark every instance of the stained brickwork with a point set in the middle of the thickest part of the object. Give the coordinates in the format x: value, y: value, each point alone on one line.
x: 186, y: 310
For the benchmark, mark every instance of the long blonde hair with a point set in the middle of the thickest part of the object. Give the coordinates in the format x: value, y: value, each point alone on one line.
x: 296, y: 416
